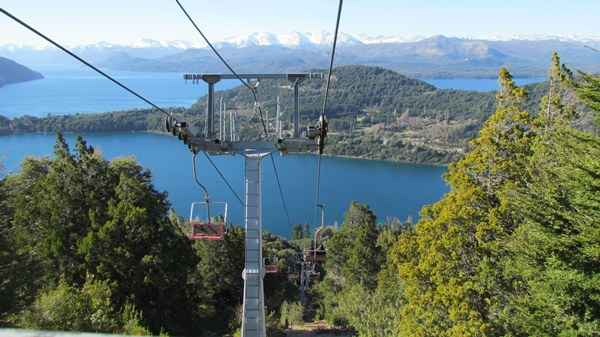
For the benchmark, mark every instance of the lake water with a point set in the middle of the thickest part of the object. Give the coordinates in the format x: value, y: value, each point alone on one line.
x: 85, y: 91
x: 392, y: 190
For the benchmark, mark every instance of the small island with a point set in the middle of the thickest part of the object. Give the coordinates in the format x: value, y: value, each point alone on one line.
x: 12, y: 72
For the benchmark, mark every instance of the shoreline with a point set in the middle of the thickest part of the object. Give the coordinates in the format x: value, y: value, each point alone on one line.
x: 166, y: 134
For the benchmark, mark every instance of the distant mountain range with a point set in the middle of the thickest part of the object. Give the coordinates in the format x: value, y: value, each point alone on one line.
x: 12, y: 72
x: 437, y: 56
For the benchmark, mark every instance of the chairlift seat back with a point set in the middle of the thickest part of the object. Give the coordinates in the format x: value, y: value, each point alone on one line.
x: 208, y: 220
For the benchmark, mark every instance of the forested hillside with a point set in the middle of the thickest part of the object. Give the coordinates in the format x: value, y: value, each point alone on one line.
x: 513, y: 248
x: 379, y: 114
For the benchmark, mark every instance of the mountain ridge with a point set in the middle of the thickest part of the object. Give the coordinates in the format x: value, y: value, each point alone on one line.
x: 433, y: 57
x: 295, y: 38
x: 12, y: 72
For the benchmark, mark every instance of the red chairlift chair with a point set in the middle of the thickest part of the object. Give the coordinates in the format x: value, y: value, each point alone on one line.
x: 271, y: 267
x: 203, y: 225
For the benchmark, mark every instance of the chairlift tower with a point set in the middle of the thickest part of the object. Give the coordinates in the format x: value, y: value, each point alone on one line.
x: 253, y: 322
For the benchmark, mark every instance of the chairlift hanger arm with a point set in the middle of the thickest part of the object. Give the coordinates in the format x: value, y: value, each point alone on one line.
x: 202, y: 187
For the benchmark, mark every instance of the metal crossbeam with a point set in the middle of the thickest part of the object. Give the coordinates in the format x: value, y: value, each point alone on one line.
x: 211, y: 79
x: 258, y: 76
x: 290, y: 145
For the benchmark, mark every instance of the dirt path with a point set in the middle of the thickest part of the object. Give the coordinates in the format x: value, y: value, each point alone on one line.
x: 316, y: 329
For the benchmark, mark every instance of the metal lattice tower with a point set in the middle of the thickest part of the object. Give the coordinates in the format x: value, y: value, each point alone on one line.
x: 253, y: 322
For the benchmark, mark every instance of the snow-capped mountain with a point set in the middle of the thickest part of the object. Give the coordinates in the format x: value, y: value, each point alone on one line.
x: 299, y: 40
x: 296, y: 51
x: 288, y: 40
x: 542, y: 37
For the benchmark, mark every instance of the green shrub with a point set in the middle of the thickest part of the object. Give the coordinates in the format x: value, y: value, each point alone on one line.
x: 68, y: 308
x: 291, y: 314
x: 132, y: 322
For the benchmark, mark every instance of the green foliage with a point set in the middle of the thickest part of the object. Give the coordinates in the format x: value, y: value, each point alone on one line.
x: 588, y: 89
x: 511, y: 250
x: 102, y: 220
x: 509, y: 95
x: 353, y: 256
x: 554, y: 257
x: 392, y: 146
x: 297, y: 232
x: 8, y: 265
x: 217, y: 276
x: 368, y: 306
x: 278, y: 288
x: 371, y: 313
x: 353, y: 262
x: 133, y: 120
x: 449, y: 264
x: 131, y: 322
x: 291, y: 314
x: 68, y: 308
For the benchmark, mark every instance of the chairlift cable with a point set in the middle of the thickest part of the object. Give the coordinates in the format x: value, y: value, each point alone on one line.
x: 253, y: 90
x: 323, y: 111
x: 223, y: 178
x: 592, y: 48
x: 78, y: 58
x: 335, y: 38
x: 245, y: 83
x: 285, y: 208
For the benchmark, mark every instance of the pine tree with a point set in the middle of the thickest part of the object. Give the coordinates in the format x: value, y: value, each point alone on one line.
x: 78, y: 215
x: 449, y: 265
x: 554, y: 254
x: 353, y: 261
x: 588, y: 89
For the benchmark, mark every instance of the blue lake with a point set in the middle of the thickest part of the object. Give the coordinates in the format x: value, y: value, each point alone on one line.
x: 83, y: 91
x: 392, y: 190
x: 61, y: 93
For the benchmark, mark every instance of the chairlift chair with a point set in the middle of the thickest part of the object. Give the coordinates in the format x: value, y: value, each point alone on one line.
x: 318, y: 255
x: 270, y: 266
x: 208, y: 220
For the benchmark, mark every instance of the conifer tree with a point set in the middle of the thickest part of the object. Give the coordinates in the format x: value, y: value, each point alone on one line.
x: 449, y: 264
x: 353, y: 261
x: 588, y: 89
x: 553, y: 256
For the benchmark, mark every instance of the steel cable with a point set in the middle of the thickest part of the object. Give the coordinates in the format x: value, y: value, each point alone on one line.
x: 78, y: 58
x: 246, y: 84
x: 318, y: 173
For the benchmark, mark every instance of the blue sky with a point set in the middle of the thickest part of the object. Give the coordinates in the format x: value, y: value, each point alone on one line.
x: 77, y: 22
